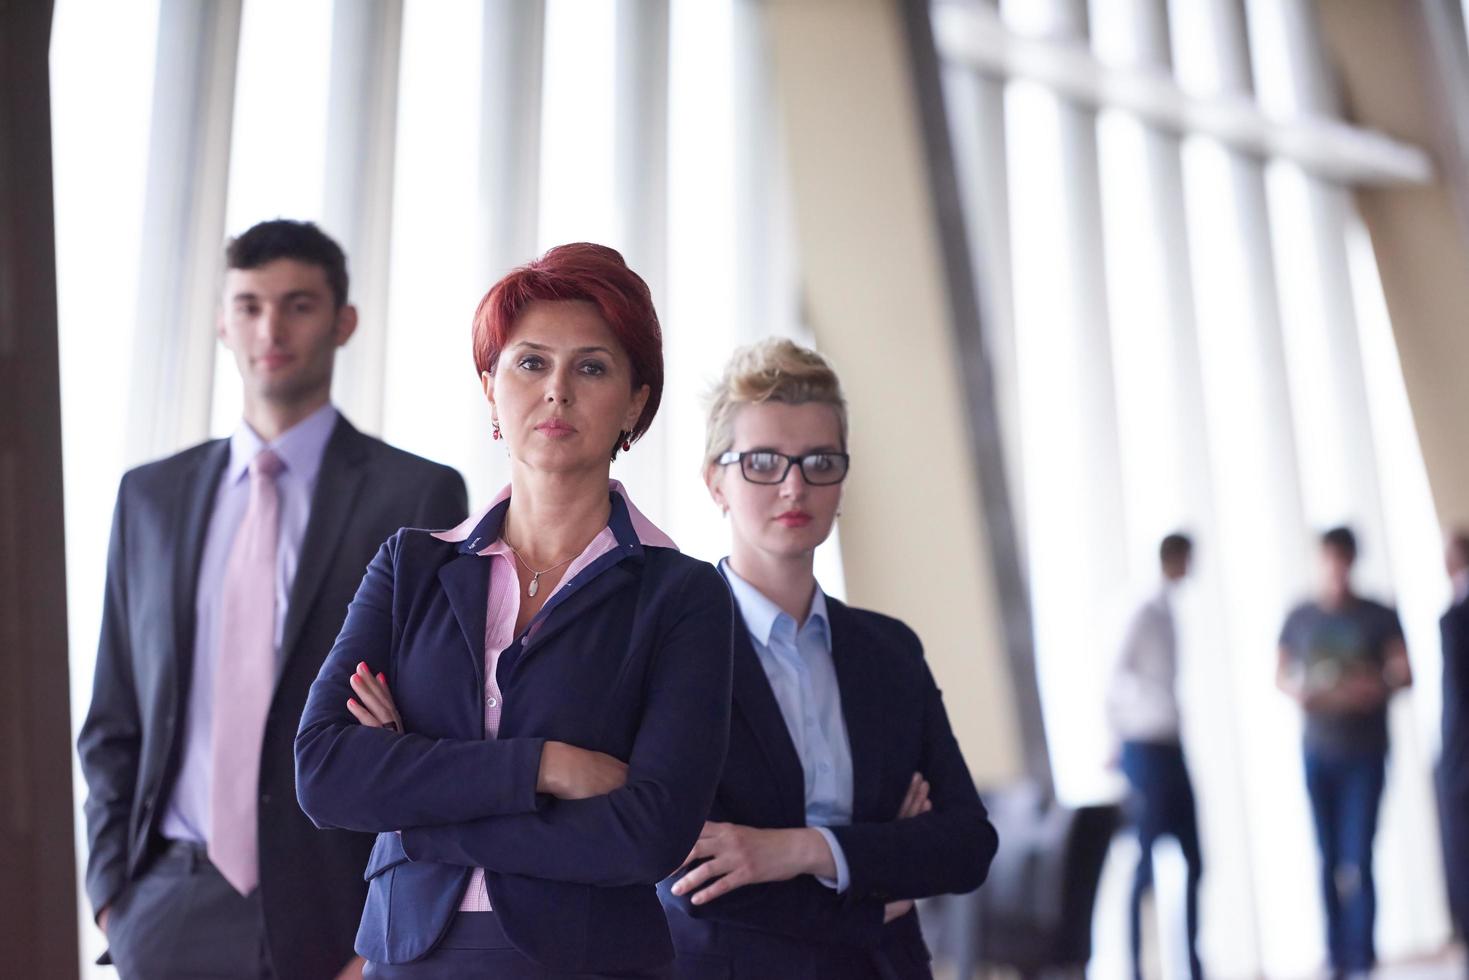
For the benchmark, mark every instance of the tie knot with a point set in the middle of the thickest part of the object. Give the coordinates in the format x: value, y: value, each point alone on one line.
x: 267, y: 464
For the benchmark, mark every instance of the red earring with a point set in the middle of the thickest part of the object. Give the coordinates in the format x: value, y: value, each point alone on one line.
x: 626, y: 446
x: 495, y: 433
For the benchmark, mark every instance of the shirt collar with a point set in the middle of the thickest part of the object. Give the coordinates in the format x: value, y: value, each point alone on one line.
x: 761, y: 614
x: 300, y: 447
x: 485, y: 525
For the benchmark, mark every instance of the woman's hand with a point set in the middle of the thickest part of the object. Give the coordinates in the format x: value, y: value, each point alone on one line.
x: 896, y: 910
x: 570, y: 773
x: 353, y: 970
x: 739, y: 856
x: 916, y: 800
x: 373, y: 705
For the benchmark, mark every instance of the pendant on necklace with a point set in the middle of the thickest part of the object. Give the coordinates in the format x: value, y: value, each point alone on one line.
x: 535, y: 584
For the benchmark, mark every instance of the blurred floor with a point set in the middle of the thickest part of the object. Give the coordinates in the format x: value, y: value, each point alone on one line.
x: 1451, y: 964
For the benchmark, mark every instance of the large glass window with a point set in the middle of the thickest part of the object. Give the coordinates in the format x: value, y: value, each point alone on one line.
x: 1231, y: 373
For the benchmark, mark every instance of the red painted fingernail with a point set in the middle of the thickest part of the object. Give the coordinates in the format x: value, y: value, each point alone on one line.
x: 382, y: 678
x: 351, y: 702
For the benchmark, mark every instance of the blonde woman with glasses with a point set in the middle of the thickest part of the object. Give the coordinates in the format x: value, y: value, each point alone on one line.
x: 844, y: 795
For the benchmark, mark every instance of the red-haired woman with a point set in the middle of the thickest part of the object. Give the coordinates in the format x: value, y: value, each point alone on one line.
x: 531, y: 710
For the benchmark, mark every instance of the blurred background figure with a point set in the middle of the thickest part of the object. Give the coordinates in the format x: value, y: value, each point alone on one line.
x: 1142, y: 706
x: 1341, y: 657
x: 1453, y: 762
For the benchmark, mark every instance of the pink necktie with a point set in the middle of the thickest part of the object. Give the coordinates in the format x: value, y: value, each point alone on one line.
x: 244, y: 679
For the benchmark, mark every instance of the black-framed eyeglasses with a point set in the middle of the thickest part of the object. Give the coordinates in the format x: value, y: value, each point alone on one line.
x: 768, y: 466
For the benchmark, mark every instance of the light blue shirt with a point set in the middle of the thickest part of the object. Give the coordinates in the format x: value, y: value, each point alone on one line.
x: 300, y: 448
x: 798, y: 663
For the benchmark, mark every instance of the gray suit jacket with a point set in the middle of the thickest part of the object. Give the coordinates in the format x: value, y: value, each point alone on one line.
x: 311, y: 883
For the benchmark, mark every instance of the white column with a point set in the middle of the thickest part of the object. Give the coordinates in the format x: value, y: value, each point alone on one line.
x: 1333, y: 426
x: 767, y: 292
x: 640, y: 183
x: 1263, y: 540
x: 1335, y: 434
x: 975, y: 104
x: 514, y: 34
x: 767, y: 288
x: 1073, y: 491
x: 182, y: 249
x: 362, y: 129
x: 1167, y: 466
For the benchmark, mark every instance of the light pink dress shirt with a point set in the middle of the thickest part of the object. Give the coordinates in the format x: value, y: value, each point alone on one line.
x: 501, y: 613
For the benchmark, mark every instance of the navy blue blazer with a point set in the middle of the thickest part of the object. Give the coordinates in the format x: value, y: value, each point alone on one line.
x: 896, y: 725
x: 631, y: 658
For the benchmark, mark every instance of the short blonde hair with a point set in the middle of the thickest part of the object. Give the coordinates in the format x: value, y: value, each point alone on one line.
x: 772, y: 370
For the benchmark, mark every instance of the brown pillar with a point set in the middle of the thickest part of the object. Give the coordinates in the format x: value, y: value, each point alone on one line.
x: 1402, y: 71
x: 38, y: 910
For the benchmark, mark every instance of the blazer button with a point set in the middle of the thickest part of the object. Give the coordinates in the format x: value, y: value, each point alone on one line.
x: 265, y: 799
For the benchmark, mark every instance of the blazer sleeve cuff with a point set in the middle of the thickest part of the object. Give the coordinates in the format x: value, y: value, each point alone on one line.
x: 103, y: 889
x: 527, y: 773
x: 843, y: 877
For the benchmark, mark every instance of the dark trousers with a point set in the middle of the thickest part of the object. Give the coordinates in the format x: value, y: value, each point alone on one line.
x: 1453, y: 799
x: 1346, y: 791
x: 475, y: 948
x: 182, y: 920
x: 1162, y: 805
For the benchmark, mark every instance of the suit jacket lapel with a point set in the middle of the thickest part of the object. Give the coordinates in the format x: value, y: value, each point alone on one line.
x: 337, y: 483
x: 197, y: 490
x: 857, y: 679
x: 755, y: 701
x: 562, y: 610
x: 466, y: 582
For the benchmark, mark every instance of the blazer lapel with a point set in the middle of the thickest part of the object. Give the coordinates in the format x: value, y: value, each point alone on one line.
x: 756, y: 702
x: 862, y: 708
x: 466, y: 582
x: 562, y: 610
x: 337, y: 483
x: 593, y: 584
x: 196, y: 502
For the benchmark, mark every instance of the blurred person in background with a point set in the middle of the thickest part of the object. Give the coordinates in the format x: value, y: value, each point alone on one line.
x: 1453, y: 766
x: 1341, y: 657
x: 1142, y: 707
x: 229, y: 571
x: 844, y: 796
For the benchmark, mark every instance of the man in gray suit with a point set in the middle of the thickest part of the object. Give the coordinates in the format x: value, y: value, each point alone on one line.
x: 229, y: 573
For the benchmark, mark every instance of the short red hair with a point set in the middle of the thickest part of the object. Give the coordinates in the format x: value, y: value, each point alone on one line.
x: 580, y: 271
